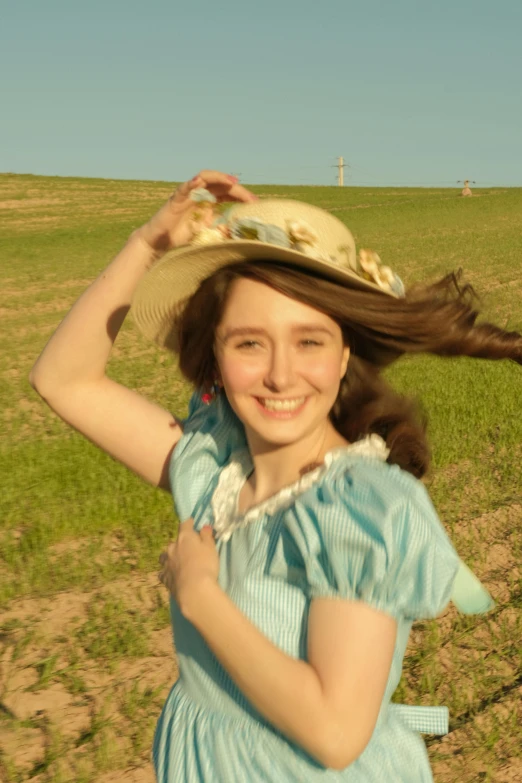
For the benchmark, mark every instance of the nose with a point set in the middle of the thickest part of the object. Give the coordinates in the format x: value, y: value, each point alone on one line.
x: 280, y: 372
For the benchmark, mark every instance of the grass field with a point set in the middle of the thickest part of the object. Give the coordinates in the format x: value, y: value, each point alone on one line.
x: 85, y: 644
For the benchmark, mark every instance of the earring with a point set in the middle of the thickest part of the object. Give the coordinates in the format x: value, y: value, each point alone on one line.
x: 209, y: 397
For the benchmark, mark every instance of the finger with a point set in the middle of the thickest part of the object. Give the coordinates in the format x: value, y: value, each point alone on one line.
x: 232, y: 193
x: 186, y: 526
x: 163, y: 559
x: 225, y: 187
x: 239, y: 193
x: 183, y: 191
x: 207, y: 536
x: 207, y: 532
x: 212, y: 177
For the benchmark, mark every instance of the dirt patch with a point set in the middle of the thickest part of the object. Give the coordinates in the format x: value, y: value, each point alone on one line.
x: 90, y: 208
x: 50, y: 617
x: 490, y: 285
x: 12, y: 373
x: 53, y: 696
x: 490, y: 542
x: 35, y: 222
x: 38, y: 308
x: 450, y: 764
x: 27, y: 408
x: 510, y: 772
x: 30, y: 290
x: 30, y: 203
x: 25, y: 744
x: 138, y: 775
x: 54, y: 701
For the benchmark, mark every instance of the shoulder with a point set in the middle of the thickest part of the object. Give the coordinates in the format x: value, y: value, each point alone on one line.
x: 211, y: 433
x: 367, y: 506
x: 369, y: 531
x: 369, y: 491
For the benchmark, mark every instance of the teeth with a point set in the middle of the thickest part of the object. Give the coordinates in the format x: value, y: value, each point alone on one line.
x: 282, y: 405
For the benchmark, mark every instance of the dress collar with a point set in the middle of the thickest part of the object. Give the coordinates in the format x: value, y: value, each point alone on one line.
x: 235, y: 473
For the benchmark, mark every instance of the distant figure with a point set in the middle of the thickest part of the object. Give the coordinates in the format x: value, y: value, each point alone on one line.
x: 466, y: 190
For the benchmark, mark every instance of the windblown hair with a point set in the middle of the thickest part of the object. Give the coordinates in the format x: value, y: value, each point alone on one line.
x: 438, y: 319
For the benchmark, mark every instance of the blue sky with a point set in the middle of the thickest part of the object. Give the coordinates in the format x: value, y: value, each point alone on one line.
x: 409, y: 92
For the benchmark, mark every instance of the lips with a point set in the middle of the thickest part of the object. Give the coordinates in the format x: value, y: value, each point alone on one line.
x: 288, y: 405
x: 281, y: 409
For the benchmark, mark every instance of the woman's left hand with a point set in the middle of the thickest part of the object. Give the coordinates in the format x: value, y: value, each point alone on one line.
x: 188, y: 562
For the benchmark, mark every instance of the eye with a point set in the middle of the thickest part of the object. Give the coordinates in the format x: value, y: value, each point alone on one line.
x: 309, y: 343
x: 248, y: 344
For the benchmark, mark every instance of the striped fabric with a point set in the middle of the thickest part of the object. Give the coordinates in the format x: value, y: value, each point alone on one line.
x: 365, y: 530
x: 426, y: 720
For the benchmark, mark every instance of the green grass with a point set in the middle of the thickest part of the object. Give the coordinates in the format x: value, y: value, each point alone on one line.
x: 72, y: 519
x: 112, y: 631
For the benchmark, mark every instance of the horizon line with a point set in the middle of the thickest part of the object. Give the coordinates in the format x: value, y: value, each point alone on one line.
x: 441, y: 185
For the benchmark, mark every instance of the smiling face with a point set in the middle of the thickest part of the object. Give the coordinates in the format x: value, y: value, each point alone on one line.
x: 280, y: 362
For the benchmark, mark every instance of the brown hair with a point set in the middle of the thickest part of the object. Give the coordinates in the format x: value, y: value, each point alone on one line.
x: 438, y: 318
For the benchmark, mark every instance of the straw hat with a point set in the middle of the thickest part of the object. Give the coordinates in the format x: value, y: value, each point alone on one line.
x: 278, y: 230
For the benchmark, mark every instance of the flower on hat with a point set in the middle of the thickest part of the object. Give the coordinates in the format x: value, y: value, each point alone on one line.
x: 301, y: 233
x: 372, y: 269
x: 255, y: 229
x: 210, y: 236
x: 202, y: 216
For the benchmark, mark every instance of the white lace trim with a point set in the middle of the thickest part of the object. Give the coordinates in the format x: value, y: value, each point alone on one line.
x: 233, y: 476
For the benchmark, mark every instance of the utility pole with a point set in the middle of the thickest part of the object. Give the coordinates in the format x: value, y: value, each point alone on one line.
x: 340, y: 166
x: 340, y: 176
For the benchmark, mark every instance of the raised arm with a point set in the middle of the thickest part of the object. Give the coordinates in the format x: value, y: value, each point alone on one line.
x: 70, y: 373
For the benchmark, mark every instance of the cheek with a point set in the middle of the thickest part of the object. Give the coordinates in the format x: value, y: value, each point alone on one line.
x: 238, y: 375
x: 323, y: 373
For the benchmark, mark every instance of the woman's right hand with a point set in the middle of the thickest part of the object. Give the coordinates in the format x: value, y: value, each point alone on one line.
x: 173, y: 225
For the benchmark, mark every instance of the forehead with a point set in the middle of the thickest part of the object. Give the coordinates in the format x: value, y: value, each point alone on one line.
x: 251, y: 303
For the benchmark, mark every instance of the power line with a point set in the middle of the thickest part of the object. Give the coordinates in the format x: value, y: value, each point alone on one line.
x: 339, y: 179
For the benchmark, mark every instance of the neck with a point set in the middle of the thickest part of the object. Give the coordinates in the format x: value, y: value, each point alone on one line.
x: 276, y: 467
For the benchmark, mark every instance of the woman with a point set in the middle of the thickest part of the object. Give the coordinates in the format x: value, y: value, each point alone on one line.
x: 309, y: 545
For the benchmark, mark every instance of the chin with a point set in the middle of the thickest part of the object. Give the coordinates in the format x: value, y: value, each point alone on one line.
x: 277, y: 439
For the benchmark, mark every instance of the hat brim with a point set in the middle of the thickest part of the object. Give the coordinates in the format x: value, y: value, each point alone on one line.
x: 177, y: 275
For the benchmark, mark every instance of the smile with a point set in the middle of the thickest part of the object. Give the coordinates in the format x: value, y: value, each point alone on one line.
x: 281, y: 406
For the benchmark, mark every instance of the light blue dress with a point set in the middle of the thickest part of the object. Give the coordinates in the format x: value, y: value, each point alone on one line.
x: 356, y: 528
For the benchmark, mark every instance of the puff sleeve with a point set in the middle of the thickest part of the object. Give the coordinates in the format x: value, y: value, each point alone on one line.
x: 211, y: 433
x: 371, y: 534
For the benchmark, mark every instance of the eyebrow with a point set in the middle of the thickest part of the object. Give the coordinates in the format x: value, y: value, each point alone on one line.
x: 296, y: 328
